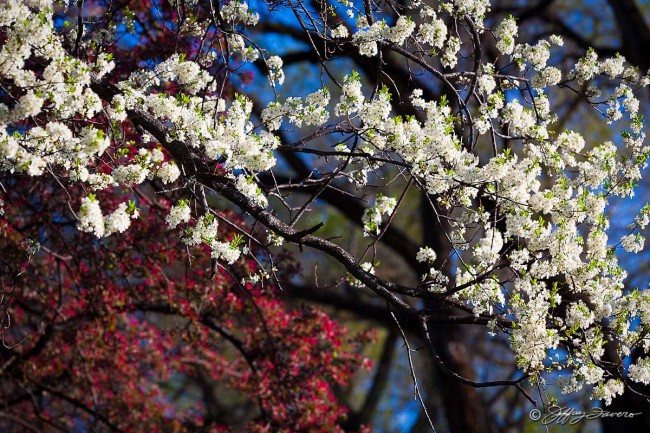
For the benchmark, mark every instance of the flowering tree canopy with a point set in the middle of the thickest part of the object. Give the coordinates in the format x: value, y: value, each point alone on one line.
x: 152, y: 162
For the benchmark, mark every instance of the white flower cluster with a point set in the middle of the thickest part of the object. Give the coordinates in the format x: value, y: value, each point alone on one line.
x: 579, y: 316
x: 367, y: 37
x: 426, y: 255
x: 144, y: 166
x: 431, y: 149
x: 522, y: 121
x: 586, y: 68
x: 181, y: 213
x: 238, y: 12
x: 545, y: 221
x: 340, y: 32
x: 62, y: 90
x: 233, y: 139
x: 352, y: 98
x: 275, y: 239
x: 436, y: 280
x: 130, y: 174
x: 506, y: 33
x: 176, y: 68
x: 486, y: 251
x: 484, y: 297
x: 537, y: 55
x: 433, y: 33
x: 313, y: 110
x: 206, y: 231
x: 640, y: 371
x: 103, y: 64
x: 474, y: 9
x: 248, y: 187
x: 236, y: 44
x: 95, y: 181
x: 547, y: 77
x: 614, y: 67
x: 274, y: 63
x: 630, y: 104
x: 118, y: 221
x: 225, y: 251
x: 606, y: 391
x: 643, y: 218
x: 489, y: 110
x: 450, y: 54
x: 486, y: 82
x: 54, y: 145
x: 531, y: 338
x: 193, y: 117
x: 168, y: 172
x: 90, y: 218
x: 633, y: 243
x: 372, y: 216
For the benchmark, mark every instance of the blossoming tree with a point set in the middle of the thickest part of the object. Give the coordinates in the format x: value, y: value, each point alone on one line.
x: 130, y: 124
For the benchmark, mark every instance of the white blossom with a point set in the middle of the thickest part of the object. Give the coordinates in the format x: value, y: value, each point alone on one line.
x: 118, y: 221
x: 633, y: 243
x: 426, y: 255
x: 372, y: 216
x: 181, y: 213
x: 640, y: 371
x: 90, y: 217
x: 274, y: 63
x: 340, y: 32
x: 168, y: 172
x: 450, y: 54
x: 204, y: 231
x: 506, y: 33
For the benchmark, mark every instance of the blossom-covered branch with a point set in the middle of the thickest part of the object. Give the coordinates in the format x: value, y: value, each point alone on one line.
x: 458, y: 111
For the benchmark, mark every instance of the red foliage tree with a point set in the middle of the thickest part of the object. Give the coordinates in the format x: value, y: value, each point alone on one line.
x: 116, y: 335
